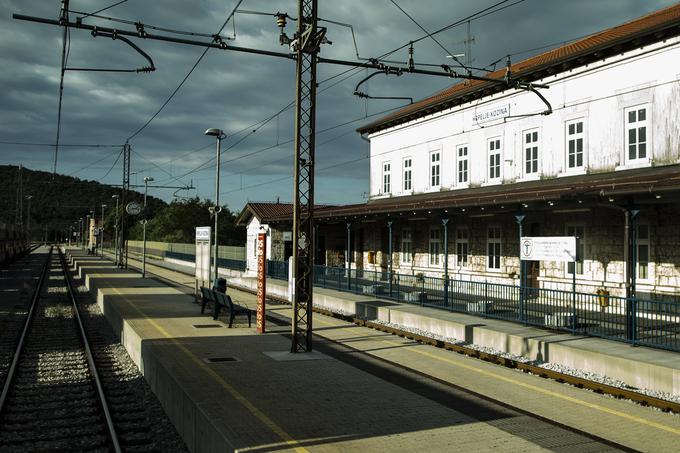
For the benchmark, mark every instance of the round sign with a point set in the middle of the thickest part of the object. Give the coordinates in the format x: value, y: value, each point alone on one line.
x: 133, y: 208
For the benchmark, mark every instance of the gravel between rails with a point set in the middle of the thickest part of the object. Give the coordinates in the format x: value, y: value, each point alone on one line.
x: 141, y: 423
x: 53, y: 404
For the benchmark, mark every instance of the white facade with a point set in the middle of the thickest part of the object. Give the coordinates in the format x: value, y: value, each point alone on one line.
x: 619, y: 113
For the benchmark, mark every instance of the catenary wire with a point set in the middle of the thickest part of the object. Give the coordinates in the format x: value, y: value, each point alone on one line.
x: 200, y: 58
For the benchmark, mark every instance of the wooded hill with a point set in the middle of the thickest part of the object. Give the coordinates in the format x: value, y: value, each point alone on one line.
x: 58, y: 202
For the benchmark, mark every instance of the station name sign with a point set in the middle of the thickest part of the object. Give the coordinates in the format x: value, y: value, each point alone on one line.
x: 203, y: 233
x: 492, y: 114
x: 550, y: 248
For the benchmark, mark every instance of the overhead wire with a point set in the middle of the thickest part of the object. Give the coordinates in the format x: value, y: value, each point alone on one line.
x: 198, y: 61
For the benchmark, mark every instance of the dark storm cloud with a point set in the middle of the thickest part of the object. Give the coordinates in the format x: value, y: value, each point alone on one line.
x: 234, y: 91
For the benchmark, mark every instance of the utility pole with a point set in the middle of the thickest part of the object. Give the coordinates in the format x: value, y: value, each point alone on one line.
x: 115, y: 242
x: 101, y: 232
x: 122, y: 237
x: 309, y: 39
x: 28, y: 218
x: 147, y: 179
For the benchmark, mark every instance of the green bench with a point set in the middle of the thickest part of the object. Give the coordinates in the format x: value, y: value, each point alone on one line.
x: 220, y: 301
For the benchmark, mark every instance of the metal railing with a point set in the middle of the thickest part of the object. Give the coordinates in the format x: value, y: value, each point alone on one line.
x: 632, y: 320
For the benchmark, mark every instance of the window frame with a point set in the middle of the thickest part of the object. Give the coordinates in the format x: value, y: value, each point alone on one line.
x: 434, y: 258
x: 386, y: 178
x: 498, y: 152
x: 535, y: 145
x: 575, y: 136
x: 646, y: 124
x: 646, y: 242
x: 432, y: 165
x: 407, y: 170
x: 406, y: 258
x: 462, y: 159
x: 462, y: 241
x: 496, y: 241
x: 580, y: 250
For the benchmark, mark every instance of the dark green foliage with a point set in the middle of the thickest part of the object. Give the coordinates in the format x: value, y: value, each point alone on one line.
x: 58, y: 202
x: 176, y: 223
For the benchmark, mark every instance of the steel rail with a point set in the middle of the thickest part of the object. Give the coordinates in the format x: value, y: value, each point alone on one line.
x: 90, y: 358
x: 9, y: 380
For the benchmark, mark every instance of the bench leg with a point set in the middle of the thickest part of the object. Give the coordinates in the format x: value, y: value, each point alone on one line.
x: 216, y: 311
x: 203, y: 306
x: 231, y: 318
x: 249, y: 319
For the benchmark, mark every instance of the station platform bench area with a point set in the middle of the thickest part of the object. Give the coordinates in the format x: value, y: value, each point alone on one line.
x: 229, y: 389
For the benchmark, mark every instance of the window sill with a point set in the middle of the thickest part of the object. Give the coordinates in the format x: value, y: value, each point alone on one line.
x: 531, y: 177
x: 641, y: 163
x: 573, y: 172
x: 493, y: 182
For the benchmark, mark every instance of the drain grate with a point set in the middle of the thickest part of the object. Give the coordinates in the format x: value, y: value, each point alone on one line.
x: 206, y: 326
x: 220, y: 359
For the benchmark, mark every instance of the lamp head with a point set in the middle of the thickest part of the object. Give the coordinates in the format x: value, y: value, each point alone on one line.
x: 148, y: 179
x: 214, y: 132
x: 115, y: 197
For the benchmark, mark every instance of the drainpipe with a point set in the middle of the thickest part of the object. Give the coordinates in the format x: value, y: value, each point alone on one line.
x: 445, y: 224
x: 349, y: 256
x: 389, y: 254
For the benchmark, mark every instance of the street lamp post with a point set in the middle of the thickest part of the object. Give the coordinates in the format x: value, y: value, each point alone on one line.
x: 80, y: 232
x: 147, y: 180
x: 28, y: 218
x: 115, y: 242
x: 219, y: 134
x: 101, y: 232
x: 86, y: 230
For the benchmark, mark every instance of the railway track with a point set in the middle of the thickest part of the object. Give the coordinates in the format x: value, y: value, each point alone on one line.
x: 70, y: 385
x: 52, y: 398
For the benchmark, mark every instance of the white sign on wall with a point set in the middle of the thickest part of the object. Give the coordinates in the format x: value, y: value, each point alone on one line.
x: 484, y: 116
x: 550, y: 248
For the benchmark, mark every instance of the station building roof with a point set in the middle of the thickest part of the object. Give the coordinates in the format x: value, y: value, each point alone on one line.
x: 265, y: 211
x: 654, y: 27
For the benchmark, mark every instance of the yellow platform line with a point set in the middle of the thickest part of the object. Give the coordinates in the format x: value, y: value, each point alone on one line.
x: 534, y: 388
x: 257, y: 413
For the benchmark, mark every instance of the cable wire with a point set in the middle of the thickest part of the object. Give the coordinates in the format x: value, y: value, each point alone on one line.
x: 200, y: 58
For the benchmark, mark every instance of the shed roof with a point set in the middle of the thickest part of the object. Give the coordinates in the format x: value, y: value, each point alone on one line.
x: 653, y: 27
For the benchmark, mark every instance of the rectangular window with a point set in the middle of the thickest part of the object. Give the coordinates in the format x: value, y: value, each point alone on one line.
x: 407, y: 174
x: 531, y: 152
x: 575, y: 144
x: 495, y: 159
x: 493, y: 248
x: 435, y: 245
x: 386, y: 177
x: 462, y: 246
x: 636, y: 133
x: 406, y: 257
x: 579, y: 232
x: 642, y: 252
x: 435, y: 159
x: 462, y: 164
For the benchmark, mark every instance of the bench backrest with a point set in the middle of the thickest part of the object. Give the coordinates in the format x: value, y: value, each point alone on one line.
x: 208, y: 293
x: 224, y: 300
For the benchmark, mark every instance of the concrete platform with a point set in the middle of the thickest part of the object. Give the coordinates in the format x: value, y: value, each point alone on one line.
x: 232, y: 389
x: 640, y: 367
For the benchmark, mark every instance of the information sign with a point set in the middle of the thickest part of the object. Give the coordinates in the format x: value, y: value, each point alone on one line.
x: 550, y: 248
x: 203, y: 255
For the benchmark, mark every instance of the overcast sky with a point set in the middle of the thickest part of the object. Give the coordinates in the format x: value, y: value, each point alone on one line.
x: 235, y: 91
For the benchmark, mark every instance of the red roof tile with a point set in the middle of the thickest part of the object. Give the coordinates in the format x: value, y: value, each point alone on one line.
x: 647, y: 29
